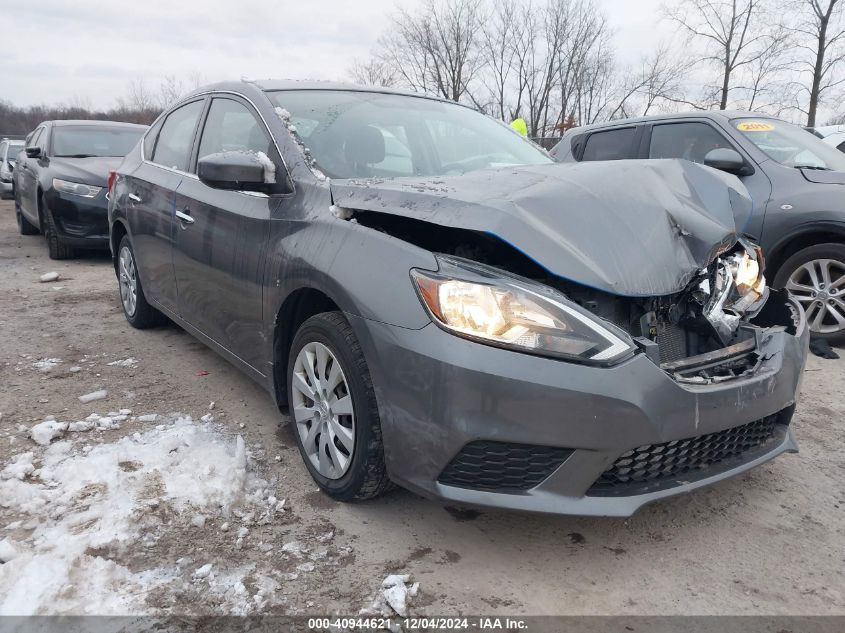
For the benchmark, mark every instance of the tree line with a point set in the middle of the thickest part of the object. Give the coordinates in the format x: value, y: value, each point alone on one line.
x: 141, y: 103
x: 552, y: 62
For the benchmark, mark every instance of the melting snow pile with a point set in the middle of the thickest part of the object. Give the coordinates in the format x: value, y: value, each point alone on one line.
x: 393, y: 597
x: 46, y: 364
x: 82, y: 505
x: 125, y: 362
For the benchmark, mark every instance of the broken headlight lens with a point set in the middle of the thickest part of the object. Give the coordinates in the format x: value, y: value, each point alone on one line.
x: 518, y: 315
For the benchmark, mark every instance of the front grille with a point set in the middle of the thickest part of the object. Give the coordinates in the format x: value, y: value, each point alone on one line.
x: 503, y: 467
x: 655, y: 465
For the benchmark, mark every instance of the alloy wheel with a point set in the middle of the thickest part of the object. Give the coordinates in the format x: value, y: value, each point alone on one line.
x: 322, y: 409
x: 128, y: 279
x: 819, y: 285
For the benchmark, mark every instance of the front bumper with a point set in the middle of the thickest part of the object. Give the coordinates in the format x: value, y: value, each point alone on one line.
x: 80, y: 222
x: 437, y: 393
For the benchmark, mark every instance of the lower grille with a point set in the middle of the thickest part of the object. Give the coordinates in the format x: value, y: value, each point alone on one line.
x: 503, y: 467
x: 654, y: 465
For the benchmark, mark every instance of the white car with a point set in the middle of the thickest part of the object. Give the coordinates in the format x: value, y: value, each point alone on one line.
x: 8, y: 152
x: 832, y: 135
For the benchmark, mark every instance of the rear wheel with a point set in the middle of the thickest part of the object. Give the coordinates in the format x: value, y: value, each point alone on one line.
x: 334, y: 410
x: 25, y: 227
x: 55, y: 247
x: 138, y: 312
x: 815, y: 276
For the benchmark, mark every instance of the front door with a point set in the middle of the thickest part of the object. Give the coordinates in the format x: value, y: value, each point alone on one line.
x: 221, y: 238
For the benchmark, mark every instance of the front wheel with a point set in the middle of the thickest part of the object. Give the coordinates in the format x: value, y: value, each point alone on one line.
x: 815, y: 276
x: 334, y: 410
x: 25, y: 227
x: 56, y: 249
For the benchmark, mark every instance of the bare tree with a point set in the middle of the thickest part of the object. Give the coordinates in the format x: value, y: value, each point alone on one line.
x: 374, y: 72
x: 436, y: 49
x: 820, y: 29
x: 730, y: 30
x: 499, y: 34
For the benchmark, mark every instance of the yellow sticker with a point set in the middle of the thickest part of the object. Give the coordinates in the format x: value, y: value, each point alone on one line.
x: 754, y: 126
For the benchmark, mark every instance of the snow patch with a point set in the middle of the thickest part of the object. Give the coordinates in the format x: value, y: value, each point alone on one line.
x: 44, y: 432
x: 48, y: 277
x: 269, y: 168
x: 126, y: 362
x: 94, y: 395
x: 46, y: 364
x: 104, y: 498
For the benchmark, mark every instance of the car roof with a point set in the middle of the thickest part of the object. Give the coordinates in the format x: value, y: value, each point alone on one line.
x: 93, y: 123
x: 269, y: 85
x: 720, y: 115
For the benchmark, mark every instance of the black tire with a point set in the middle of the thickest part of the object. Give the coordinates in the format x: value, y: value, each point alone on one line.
x: 56, y: 249
x: 819, y: 251
x: 366, y: 476
x: 25, y: 227
x: 144, y: 315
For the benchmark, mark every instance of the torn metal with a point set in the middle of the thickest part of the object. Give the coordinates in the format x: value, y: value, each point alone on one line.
x: 631, y: 228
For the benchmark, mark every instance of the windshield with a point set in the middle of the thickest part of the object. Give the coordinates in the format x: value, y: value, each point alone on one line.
x: 790, y: 145
x: 84, y: 141
x: 364, y: 134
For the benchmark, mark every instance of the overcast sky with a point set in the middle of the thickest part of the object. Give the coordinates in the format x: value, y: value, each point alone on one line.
x: 57, y: 50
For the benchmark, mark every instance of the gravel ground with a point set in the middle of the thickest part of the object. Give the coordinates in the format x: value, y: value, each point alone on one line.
x: 769, y: 542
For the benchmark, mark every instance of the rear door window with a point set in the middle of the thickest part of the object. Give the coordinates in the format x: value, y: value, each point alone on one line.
x: 610, y: 144
x: 691, y: 140
x: 176, y: 139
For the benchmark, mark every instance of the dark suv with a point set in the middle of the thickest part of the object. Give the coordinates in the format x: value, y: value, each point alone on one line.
x: 796, y: 182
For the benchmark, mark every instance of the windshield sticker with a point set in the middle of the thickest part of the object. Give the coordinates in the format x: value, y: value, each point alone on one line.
x: 754, y: 126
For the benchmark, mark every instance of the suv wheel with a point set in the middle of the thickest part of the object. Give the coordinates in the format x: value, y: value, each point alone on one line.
x: 334, y: 411
x: 138, y: 312
x: 25, y: 227
x: 816, y: 278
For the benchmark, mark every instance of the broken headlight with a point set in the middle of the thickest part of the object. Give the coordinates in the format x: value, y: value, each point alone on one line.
x: 738, y: 289
x: 487, y: 305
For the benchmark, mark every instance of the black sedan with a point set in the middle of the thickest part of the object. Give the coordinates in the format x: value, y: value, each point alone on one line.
x: 60, y: 182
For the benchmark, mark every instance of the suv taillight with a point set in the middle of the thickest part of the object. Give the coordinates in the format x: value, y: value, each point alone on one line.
x: 112, y: 178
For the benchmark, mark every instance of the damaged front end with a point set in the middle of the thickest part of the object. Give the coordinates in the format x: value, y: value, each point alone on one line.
x: 712, y: 331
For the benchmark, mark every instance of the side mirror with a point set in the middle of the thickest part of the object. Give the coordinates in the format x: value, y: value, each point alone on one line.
x: 728, y: 160
x: 237, y: 171
x: 33, y: 152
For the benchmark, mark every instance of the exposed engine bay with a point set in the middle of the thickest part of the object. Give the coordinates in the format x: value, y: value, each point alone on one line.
x: 708, y: 332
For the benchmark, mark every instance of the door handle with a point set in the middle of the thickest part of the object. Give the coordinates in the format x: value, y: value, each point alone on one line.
x: 134, y: 198
x: 184, y: 217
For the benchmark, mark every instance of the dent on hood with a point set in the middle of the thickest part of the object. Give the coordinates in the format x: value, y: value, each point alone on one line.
x: 630, y: 228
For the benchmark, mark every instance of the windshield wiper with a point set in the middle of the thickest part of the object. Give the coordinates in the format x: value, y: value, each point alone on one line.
x: 816, y: 167
x: 76, y: 155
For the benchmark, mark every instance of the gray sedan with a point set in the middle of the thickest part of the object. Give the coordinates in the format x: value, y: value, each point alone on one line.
x: 437, y: 304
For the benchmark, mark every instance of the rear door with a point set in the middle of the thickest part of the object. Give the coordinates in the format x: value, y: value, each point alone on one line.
x: 221, y: 237
x: 151, y: 199
x: 609, y: 144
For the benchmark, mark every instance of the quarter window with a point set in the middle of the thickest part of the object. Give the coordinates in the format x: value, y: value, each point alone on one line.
x: 610, y: 144
x: 231, y: 127
x: 176, y: 139
x: 691, y: 140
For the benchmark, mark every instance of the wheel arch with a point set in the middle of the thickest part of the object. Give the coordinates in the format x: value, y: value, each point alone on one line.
x: 116, y: 232
x: 298, y: 306
x: 787, y: 246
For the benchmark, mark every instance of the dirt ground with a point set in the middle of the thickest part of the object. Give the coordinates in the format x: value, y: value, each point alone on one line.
x: 769, y: 542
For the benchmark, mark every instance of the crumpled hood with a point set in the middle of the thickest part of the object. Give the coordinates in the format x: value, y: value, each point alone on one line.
x: 633, y: 228
x: 90, y: 171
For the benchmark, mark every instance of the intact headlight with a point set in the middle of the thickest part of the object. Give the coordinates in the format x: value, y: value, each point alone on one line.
x: 486, y: 305
x: 76, y: 188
